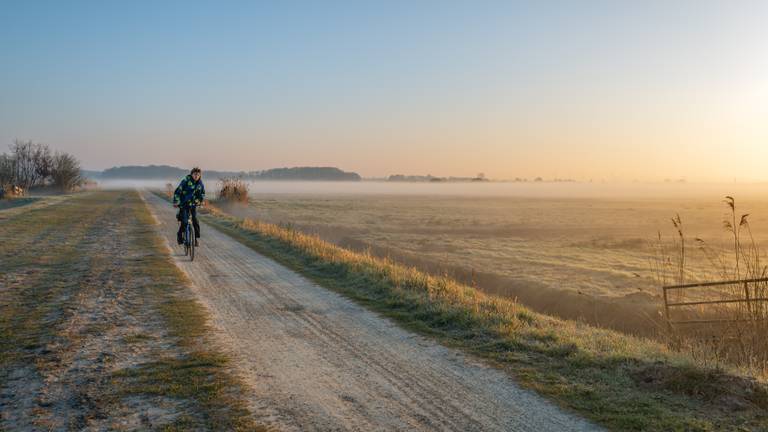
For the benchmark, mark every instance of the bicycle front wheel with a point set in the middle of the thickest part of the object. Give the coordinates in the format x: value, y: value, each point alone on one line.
x: 186, y: 241
x: 191, y: 232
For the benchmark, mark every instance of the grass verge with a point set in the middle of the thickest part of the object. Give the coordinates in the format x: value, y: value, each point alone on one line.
x: 16, y: 202
x: 201, y: 374
x: 103, y: 247
x: 619, y: 381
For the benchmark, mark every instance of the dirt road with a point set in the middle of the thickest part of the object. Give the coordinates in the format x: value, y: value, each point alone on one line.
x: 317, y: 361
x: 90, y: 337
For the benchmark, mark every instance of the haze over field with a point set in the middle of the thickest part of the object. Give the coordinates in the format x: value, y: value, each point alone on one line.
x: 714, y: 192
x: 554, y: 251
x: 597, y: 90
x: 416, y: 215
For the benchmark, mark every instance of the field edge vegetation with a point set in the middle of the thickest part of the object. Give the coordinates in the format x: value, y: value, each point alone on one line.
x: 203, y: 373
x: 92, y: 271
x: 619, y: 381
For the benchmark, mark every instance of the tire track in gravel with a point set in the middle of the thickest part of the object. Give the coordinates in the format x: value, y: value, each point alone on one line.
x: 317, y: 361
x: 333, y: 342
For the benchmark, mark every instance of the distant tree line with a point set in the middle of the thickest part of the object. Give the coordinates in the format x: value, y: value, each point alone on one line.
x: 306, y: 173
x: 478, y: 178
x: 166, y: 172
x: 157, y: 172
x: 430, y: 178
x: 30, y: 165
x: 144, y: 172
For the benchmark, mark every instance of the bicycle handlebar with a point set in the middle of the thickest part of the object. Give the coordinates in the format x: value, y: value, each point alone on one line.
x: 190, y: 204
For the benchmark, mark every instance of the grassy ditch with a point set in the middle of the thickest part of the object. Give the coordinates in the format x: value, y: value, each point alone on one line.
x: 89, y: 282
x: 16, y: 202
x: 621, y: 382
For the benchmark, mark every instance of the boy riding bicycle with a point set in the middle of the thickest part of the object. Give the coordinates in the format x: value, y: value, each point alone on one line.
x: 186, y: 198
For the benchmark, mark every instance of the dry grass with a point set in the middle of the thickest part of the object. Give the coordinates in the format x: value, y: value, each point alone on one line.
x: 740, y: 336
x: 16, y: 202
x: 623, y: 382
x: 577, y: 259
x: 12, y: 192
x: 54, y: 257
x: 233, y: 190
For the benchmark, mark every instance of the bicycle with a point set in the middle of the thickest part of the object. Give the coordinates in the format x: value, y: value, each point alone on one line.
x: 188, y: 236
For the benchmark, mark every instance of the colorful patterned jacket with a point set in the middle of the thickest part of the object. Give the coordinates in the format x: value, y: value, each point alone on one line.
x: 189, y: 192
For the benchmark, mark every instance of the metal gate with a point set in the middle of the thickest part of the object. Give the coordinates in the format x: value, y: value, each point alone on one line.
x: 748, y: 295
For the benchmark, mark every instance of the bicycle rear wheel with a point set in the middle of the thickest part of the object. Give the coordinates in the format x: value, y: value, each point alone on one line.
x: 186, y: 241
x: 191, y: 234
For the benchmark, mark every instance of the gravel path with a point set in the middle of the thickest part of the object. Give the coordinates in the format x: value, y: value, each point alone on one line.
x: 317, y: 361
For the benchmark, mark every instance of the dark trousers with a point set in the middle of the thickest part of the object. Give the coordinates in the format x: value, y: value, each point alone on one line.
x: 183, y: 212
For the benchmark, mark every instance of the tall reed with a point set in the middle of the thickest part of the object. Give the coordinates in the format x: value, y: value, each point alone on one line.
x: 739, y: 328
x: 233, y: 189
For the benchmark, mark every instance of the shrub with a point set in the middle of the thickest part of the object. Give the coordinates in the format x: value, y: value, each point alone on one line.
x: 233, y: 190
x: 65, y: 172
x: 31, y: 165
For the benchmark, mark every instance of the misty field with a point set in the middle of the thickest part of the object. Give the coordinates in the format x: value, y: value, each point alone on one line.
x: 575, y: 257
x: 623, y: 382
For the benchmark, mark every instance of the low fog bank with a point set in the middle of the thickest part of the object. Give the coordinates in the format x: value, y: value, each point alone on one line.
x: 713, y: 191
x: 134, y: 184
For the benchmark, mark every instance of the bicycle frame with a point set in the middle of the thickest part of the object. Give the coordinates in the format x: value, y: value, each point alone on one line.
x: 189, y: 236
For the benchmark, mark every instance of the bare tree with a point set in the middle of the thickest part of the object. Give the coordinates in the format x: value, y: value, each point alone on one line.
x: 32, y: 163
x: 7, y: 171
x: 65, y: 172
x: 43, y: 162
x: 24, y: 171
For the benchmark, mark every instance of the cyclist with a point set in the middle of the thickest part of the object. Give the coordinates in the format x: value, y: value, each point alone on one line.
x: 186, y: 198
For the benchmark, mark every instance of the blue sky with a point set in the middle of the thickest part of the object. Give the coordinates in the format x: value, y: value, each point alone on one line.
x: 569, y: 89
